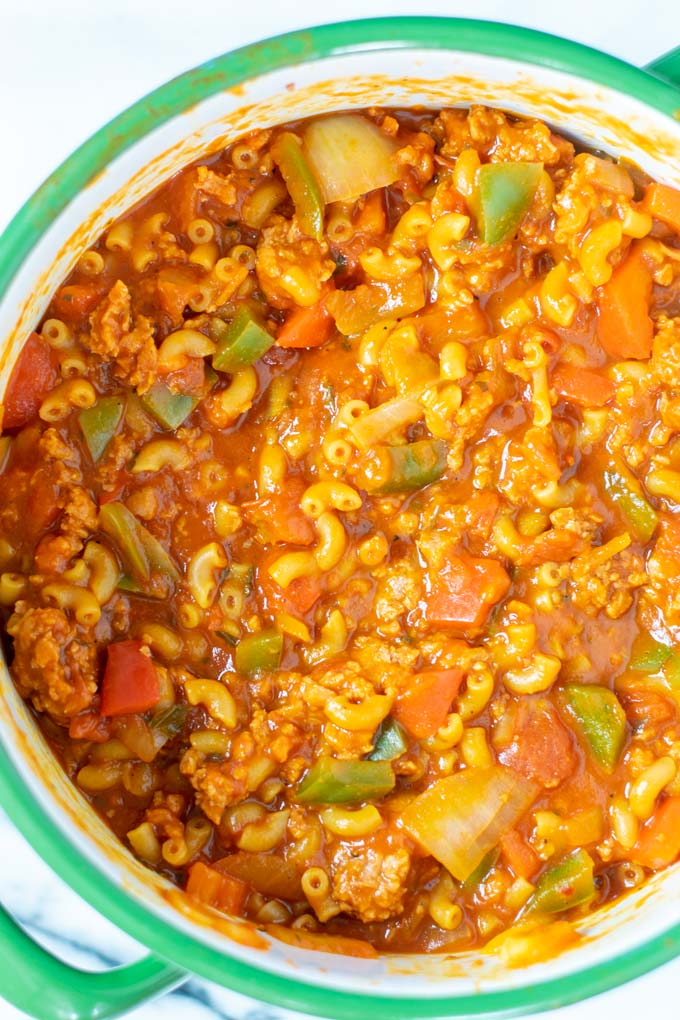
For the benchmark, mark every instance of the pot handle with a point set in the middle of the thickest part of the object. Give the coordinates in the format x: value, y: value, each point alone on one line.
x: 46, y: 989
x: 667, y: 67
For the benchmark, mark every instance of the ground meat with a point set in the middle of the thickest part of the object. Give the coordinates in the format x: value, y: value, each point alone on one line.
x: 51, y: 666
x: 306, y: 697
x: 528, y: 465
x: 282, y: 250
x: 370, y: 886
x: 665, y: 361
x: 468, y: 420
x: 469, y: 524
x: 572, y: 532
x: 370, y: 651
x: 582, y: 203
x: 253, y: 757
x: 218, y: 288
x: 663, y: 568
x: 118, y: 454
x: 482, y: 267
x: 164, y: 814
x: 115, y: 337
x: 508, y: 141
x: 80, y: 513
x: 500, y: 139
x: 54, y: 553
x: 217, y: 785
x: 53, y: 447
x: 214, y: 185
x: 609, y: 586
x: 579, y: 520
x: 399, y: 590
x: 418, y: 157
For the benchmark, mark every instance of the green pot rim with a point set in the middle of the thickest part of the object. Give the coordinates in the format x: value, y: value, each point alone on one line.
x: 65, y: 857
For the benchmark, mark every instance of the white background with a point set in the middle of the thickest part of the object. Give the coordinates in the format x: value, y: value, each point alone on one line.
x: 67, y: 66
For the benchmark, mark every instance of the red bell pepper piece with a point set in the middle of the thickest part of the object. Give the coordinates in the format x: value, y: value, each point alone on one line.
x: 306, y: 327
x: 581, y: 386
x: 663, y: 203
x: 215, y: 889
x: 130, y: 681
x: 624, y: 325
x: 425, y: 703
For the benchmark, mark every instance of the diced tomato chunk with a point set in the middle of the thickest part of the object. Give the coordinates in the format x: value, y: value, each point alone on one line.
x: 42, y: 501
x: 130, y: 681
x: 542, y: 748
x: 215, y: 889
x: 425, y: 703
x: 465, y: 591
x: 658, y: 844
x: 32, y: 379
x: 298, y: 598
x: 303, y: 593
x: 644, y: 707
x: 75, y: 301
x: 176, y: 287
x: 189, y: 380
x: 278, y: 517
x: 90, y: 726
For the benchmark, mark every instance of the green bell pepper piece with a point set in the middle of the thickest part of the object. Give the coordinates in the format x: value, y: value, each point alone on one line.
x: 5, y: 447
x: 405, y: 468
x: 482, y: 870
x: 99, y: 423
x: 671, y: 670
x: 302, y: 186
x: 390, y: 742
x: 259, y: 651
x: 127, y: 583
x: 505, y: 192
x: 168, y: 408
x: 172, y: 409
x: 169, y: 721
x: 142, y: 554
x: 567, y: 884
x: 243, y: 342
x: 648, y: 655
x: 597, y: 715
x: 230, y: 639
x: 625, y: 492
x: 339, y: 781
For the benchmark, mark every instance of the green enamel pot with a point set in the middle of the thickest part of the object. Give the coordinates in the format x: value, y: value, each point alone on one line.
x: 396, y: 62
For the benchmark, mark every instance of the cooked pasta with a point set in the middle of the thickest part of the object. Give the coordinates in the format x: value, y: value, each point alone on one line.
x: 339, y: 542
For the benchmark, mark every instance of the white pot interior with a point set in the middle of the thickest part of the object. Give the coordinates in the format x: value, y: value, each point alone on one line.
x: 594, y: 114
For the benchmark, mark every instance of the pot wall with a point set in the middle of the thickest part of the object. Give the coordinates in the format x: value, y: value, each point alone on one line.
x: 398, y: 78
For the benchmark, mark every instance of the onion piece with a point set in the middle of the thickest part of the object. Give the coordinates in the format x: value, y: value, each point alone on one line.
x: 269, y: 874
x: 461, y: 818
x: 349, y: 156
x: 373, y: 426
x: 357, y: 310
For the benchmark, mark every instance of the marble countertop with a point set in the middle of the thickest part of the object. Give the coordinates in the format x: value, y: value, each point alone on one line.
x: 56, y: 59
x: 72, y: 930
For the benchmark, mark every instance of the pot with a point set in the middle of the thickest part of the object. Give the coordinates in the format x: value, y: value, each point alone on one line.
x: 603, y: 102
